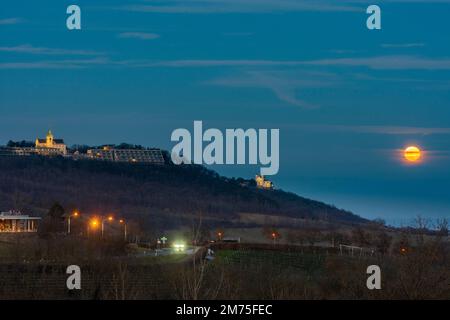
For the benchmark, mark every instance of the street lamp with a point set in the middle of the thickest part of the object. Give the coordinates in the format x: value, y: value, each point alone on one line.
x: 274, y: 237
x: 93, y: 224
x: 75, y: 214
x: 121, y: 221
x: 110, y: 219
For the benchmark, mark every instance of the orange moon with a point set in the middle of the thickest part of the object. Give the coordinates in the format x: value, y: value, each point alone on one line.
x: 412, y: 154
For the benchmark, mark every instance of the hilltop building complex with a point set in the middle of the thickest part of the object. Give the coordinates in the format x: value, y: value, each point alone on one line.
x: 153, y: 156
x: 50, y: 146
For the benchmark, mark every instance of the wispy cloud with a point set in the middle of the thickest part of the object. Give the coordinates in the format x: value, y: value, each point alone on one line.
x: 256, y: 6
x: 285, y: 85
x: 343, y: 51
x: 401, y: 1
x: 9, y: 21
x: 387, y: 63
x: 377, y: 62
x: 388, y: 130
x: 238, y: 6
x: 213, y: 63
x: 55, y: 64
x: 138, y: 35
x: 29, y: 49
x: 402, y: 45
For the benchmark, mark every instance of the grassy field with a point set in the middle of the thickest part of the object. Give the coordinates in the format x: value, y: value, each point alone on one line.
x: 31, y: 269
x: 5, y: 250
x: 275, y: 260
x: 152, y: 260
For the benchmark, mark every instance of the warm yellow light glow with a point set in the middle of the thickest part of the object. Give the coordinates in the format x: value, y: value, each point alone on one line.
x: 76, y: 214
x: 94, y: 223
x: 412, y: 154
x: 121, y: 221
x: 110, y: 218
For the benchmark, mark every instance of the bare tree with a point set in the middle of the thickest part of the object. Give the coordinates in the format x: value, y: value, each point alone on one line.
x: 442, y: 227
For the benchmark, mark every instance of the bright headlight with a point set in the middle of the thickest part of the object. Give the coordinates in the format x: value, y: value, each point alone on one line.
x: 179, y: 246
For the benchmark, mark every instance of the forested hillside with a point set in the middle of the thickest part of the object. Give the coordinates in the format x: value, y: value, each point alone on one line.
x: 167, y: 195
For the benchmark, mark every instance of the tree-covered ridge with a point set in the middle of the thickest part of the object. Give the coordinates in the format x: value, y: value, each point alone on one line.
x: 168, y: 195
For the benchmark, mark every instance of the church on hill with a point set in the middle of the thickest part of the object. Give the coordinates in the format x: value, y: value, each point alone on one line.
x: 50, y: 145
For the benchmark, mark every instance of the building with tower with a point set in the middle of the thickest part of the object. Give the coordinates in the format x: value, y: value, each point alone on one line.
x: 263, y: 183
x: 50, y: 145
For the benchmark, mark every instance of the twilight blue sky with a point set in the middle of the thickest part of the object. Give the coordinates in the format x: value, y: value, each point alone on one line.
x: 346, y: 99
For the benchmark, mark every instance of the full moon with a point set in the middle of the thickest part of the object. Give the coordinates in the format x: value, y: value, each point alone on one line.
x: 412, y: 154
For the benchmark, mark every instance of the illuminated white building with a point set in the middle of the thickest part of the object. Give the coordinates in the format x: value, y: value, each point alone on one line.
x: 13, y: 221
x: 50, y: 145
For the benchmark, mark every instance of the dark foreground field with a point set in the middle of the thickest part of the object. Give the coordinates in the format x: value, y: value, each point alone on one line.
x: 236, y: 272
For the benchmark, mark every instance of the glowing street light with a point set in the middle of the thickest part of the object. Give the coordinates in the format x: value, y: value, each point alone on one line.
x: 121, y: 221
x: 92, y: 224
x: 109, y: 219
x: 75, y: 214
x: 220, y: 235
x: 274, y: 236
